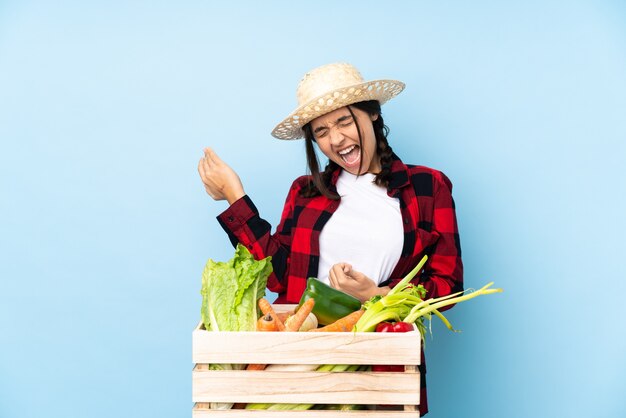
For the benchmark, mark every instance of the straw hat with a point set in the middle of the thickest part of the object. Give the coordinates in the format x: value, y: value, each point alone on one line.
x: 328, y: 88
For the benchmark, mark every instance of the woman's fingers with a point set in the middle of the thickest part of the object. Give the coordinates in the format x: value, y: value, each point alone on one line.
x: 341, y: 276
x: 201, y: 169
x: 346, y: 268
x: 342, y: 271
x: 220, y: 180
x: 205, y: 179
x: 331, y: 278
x: 204, y: 170
x: 208, y: 166
x: 211, y: 156
x: 337, y: 275
x: 205, y: 175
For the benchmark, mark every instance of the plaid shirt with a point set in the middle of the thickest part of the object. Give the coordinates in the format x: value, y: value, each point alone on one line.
x: 428, y: 217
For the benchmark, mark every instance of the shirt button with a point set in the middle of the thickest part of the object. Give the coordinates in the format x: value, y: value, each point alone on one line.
x: 406, y: 221
x: 230, y: 219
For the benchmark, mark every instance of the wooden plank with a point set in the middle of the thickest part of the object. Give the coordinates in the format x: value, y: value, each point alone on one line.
x: 284, y: 307
x: 242, y: 413
x: 306, y: 387
x: 410, y: 369
x: 400, y: 389
x: 306, y: 347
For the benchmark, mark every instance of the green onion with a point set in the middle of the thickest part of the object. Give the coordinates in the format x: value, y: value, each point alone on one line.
x: 406, y: 303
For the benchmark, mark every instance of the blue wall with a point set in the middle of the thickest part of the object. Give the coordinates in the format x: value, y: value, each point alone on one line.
x: 105, y: 228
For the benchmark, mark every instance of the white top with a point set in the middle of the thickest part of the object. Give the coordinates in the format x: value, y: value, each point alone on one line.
x: 365, y: 231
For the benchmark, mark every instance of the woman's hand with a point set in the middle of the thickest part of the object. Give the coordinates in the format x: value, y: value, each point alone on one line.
x: 220, y: 181
x: 355, y: 283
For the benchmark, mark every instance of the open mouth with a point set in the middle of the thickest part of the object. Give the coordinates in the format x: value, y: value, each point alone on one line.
x: 350, y: 155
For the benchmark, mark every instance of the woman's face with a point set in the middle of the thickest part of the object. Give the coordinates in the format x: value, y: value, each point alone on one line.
x: 337, y: 137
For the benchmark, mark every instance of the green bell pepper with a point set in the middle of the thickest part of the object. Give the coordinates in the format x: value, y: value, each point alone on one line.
x: 330, y: 303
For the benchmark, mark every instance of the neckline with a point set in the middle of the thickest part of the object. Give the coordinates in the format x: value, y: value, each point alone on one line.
x: 349, y: 175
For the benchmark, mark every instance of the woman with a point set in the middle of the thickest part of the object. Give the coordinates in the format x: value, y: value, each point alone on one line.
x: 365, y: 221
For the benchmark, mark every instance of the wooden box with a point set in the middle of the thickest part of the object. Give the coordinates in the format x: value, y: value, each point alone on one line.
x: 361, y: 387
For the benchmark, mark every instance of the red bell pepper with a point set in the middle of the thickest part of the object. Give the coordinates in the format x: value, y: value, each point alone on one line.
x: 392, y: 327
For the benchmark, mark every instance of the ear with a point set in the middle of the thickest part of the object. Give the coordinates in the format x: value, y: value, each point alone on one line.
x: 374, y: 117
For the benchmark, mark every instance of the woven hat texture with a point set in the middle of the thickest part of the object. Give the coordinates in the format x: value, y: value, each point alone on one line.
x: 328, y: 88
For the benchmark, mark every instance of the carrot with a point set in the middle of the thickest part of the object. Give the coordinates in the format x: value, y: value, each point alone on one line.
x: 256, y: 366
x: 266, y: 323
x: 266, y: 308
x: 295, y: 321
x: 344, y: 324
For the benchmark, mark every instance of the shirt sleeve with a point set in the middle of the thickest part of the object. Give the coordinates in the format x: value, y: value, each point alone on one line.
x: 443, y: 273
x: 244, y: 225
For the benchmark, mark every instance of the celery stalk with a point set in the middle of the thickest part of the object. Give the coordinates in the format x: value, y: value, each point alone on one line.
x: 445, y: 321
x: 400, y: 286
x: 405, y: 303
x: 290, y: 407
x: 430, y: 308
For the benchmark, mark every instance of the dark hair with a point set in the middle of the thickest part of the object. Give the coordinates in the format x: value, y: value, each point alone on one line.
x: 320, y: 182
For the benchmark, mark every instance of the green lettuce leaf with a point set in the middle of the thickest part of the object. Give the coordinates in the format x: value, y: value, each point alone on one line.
x: 230, y: 291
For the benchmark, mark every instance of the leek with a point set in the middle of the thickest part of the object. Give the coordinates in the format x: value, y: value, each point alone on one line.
x: 407, y: 303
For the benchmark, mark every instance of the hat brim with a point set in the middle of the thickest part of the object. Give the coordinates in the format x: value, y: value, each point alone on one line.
x: 381, y: 90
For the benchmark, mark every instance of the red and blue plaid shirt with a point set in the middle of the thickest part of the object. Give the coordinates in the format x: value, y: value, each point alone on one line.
x: 428, y: 217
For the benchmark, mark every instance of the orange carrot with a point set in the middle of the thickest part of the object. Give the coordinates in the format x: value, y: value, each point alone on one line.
x: 256, y: 366
x: 266, y: 323
x: 296, y: 320
x: 266, y: 308
x: 344, y: 324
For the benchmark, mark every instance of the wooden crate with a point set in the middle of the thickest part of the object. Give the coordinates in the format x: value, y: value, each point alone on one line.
x: 361, y: 387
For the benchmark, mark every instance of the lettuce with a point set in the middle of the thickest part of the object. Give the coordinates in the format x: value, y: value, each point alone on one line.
x: 231, y: 290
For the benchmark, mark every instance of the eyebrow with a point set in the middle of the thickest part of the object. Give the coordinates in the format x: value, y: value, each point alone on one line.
x: 339, y: 120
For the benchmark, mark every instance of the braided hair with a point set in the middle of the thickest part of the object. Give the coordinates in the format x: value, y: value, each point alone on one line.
x: 320, y: 181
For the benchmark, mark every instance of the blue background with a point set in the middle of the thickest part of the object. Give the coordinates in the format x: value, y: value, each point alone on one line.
x: 105, y: 228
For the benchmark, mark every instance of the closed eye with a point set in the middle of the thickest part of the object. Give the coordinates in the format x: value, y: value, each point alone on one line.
x: 342, y: 122
x: 321, y: 133
x: 346, y: 123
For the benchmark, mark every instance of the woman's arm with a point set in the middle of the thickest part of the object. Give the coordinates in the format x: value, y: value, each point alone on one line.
x: 244, y: 225
x: 443, y: 273
x: 242, y: 221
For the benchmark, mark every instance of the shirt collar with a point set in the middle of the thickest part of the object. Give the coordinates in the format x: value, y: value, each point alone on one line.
x: 399, y: 173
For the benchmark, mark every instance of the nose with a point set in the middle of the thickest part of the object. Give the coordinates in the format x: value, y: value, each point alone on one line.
x: 336, y: 136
